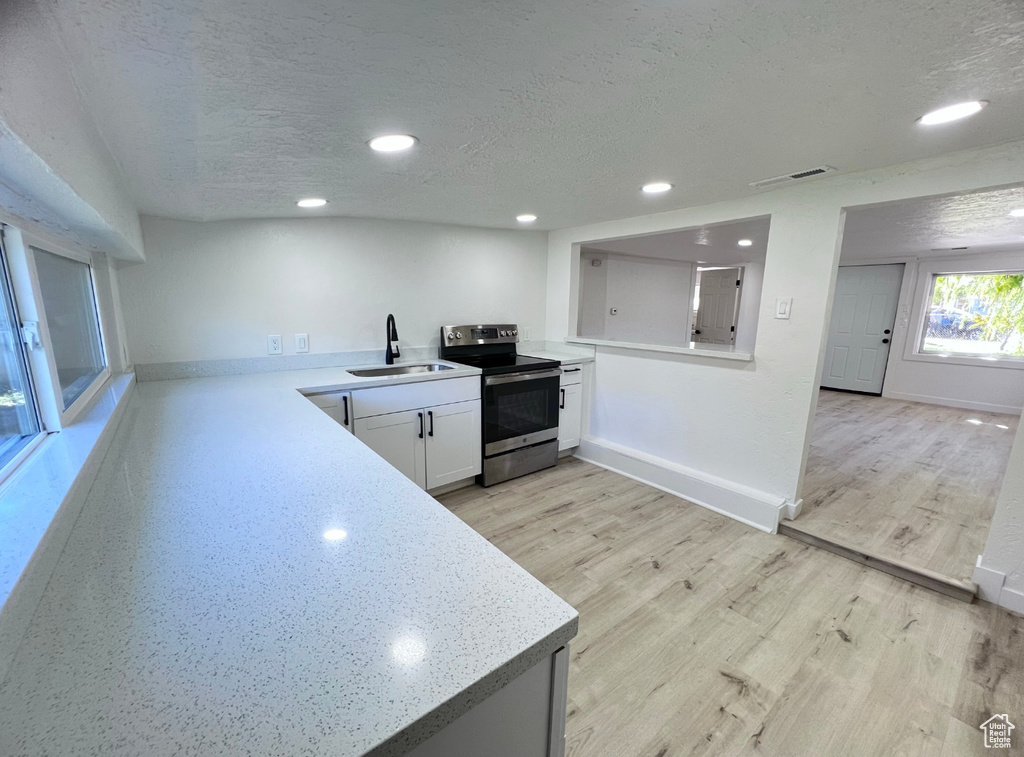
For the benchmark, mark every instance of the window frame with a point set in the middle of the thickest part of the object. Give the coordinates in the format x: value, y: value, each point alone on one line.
x: 60, y: 416
x: 979, y: 264
x: 7, y: 280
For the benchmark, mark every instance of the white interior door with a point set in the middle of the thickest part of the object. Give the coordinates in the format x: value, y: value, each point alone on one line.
x: 860, y: 332
x: 399, y: 439
x: 716, y: 306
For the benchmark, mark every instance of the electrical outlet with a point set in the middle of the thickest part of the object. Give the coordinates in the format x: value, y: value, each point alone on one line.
x: 526, y: 333
x: 273, y: 344
x: 301, y: 343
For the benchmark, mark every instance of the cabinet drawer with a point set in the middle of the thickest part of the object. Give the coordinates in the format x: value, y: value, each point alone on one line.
x: 572, y: 374
x: 395, y: 399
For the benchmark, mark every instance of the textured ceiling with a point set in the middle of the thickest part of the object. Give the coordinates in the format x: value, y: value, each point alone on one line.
x: 714, y: 244
x: 225, y: 109
x: 929, y: 226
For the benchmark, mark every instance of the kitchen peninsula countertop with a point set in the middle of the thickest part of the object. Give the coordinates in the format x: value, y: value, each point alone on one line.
x: 198, y: 608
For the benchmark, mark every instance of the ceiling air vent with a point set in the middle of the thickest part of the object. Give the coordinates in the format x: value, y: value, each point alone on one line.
x: 791, y: 177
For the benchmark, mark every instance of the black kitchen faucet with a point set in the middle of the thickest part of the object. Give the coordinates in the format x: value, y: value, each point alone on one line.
x: 391, y: 334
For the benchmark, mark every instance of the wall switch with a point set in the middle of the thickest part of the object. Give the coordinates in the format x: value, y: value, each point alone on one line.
x: 783, y: 307
x: 301, y: 343
x: 274, y: 344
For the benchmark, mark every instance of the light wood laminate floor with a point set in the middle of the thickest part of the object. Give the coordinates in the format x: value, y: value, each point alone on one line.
x: 907, y: 481
x: 702, y: 636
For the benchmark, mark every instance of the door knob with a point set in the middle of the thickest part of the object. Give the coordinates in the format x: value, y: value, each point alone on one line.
x: 885, y: 341
x: 887, y: 331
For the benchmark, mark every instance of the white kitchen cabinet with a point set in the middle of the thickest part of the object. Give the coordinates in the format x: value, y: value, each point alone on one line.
x: 338, y: 405
x: 432, y: 446
x: 400, y: 439
x: 570, y: 407
x: 525, y: 718
x: 570, y: 415
x: 453, y: 443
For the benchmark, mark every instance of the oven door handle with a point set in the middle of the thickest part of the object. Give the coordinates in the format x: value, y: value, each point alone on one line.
x: 492, y: 380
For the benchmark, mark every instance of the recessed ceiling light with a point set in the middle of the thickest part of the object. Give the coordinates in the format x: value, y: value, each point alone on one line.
x: 392, y: 142
x: 656, y: 187
x: 952, y: 112
x: 312, y: 202
x: 1018, y: 213
x: 745, y: 242
x: 526, y: 218
x: 335, y: 534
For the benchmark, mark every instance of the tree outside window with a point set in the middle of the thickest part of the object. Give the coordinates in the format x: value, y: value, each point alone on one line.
x: 976, y: 314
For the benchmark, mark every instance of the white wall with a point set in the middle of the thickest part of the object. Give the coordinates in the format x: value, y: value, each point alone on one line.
x: 593, y: 305
x: 746, y: 424
x: 990, y: 388
x: 55, y: 170
x: 652, y: 297
x: 750, y: 306
x: 216, y: 290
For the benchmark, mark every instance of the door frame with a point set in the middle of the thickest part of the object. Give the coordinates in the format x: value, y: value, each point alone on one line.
x: 695, y: 314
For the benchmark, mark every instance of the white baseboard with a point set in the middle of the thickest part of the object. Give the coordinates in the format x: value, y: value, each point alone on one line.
x: 792, y: 509
x: 983, y: 407
x: 990, y: 582
x: 743, y: 503
x: 1012, y: 600
x: 992, y: 588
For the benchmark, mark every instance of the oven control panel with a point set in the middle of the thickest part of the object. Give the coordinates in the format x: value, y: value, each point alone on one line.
x: 480, y: 333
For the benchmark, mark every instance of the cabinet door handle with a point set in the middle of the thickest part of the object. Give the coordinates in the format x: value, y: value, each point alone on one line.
x: 421, y: 424
x: 430, y: 414
x: 571, y: 370
x: 561, y: 404
x: 344, y: 402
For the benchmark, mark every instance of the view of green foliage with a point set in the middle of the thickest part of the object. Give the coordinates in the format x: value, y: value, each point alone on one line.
x: 995, y: 302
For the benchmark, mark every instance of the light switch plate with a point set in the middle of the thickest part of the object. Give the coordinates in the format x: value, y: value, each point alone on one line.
x: 783, y: 307
x: 301, y: 343
x: 273, y: 344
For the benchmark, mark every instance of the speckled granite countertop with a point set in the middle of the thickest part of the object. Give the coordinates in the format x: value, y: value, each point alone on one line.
x: 199, y: 609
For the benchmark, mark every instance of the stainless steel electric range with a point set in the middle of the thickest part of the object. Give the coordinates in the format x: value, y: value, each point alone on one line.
x: 520, y: 399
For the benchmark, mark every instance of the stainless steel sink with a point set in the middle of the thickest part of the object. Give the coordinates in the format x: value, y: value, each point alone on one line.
x: 400, y: 370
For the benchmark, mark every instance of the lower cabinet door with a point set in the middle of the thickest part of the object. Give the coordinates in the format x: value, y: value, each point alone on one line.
x: 338, y: 405
x: 453, y: 442
x: 570, y: 414
x: 398, y: 438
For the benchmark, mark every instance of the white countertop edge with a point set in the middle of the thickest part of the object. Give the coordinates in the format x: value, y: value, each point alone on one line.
x: 563, y: 358
x: 745, y: 357
x: 448, y: 712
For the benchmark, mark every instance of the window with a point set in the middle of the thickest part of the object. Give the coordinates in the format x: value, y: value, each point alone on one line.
x: 19, y: 423
x: 976, y: 315
x: 70, y: 306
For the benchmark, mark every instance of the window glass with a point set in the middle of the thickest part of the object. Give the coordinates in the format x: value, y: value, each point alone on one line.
x: 18, y: 419
x: 70, y: 305
x: 976, y: 314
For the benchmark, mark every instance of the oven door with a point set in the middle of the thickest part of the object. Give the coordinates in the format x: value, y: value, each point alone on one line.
x: 520, y: 409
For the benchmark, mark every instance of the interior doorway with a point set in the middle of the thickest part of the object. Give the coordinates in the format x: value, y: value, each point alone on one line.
x: 922, y: 384
x: 718, y: 304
